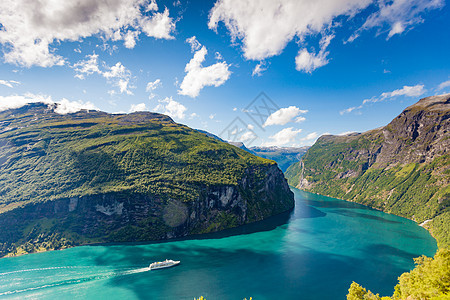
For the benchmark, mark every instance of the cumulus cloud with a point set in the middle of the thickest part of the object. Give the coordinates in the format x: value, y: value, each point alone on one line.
x: 118, y: 75
x: 63, y: 106
x: 32, y: 30
x: 87, y: 67
x: 310, y: 136
x: 265, y: 27
x: 9, y: 83
x: 197, y: 76
x: 308, y: 62
x: 443, y: 85
x: 172, y: 108
x: 285, y: 115
x: 138, y: 107
x: 407, y: 91
x: 283, y: 137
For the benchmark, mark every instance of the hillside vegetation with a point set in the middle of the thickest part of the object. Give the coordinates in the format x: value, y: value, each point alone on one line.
x: 402, y: 168
x: 94, y: 177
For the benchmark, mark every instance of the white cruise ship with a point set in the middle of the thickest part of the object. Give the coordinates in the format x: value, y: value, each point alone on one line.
x: 163, y: 264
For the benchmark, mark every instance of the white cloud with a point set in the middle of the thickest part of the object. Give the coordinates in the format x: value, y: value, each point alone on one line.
x: 130, y: 39
x: 212, y: 116
x: 87, y: 67
x: 311, y: 136
x: 117, y: 75
x: 308, y: 62
x: 171, y: 108
x: 9, y: 83
x: 198, y: 77
x: 265, y: 27
x: 32, y: 30
x: 153, y: 85
x: 138, y: 107
x: 195, y: 44
x: 159, y: 26
x: 284, y: 136
x: 285, y: 115
x: 407, y: 91
x: 259, y: 69
x: 247, y: 136
x: 444, y: 85
x: 63, y: 106
x: 193, y: 116
x: 399, y: 15
x: 346, y: 133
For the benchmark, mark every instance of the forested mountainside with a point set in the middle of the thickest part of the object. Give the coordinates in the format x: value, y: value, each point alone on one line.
x: 402, y: 168
x: 92, y: 177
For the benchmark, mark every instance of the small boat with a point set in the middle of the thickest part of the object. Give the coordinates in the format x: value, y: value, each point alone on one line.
x: 163, y: 264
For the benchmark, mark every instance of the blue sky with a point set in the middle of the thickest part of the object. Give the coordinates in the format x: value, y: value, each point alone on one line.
x: 327, y: 66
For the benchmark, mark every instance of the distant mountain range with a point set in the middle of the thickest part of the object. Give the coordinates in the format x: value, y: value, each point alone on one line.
x: 91, y: 177
x: 283, y: 156
x: 402, y: 168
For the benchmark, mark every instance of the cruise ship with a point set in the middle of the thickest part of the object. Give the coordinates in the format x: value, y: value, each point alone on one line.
x: 163, y: 264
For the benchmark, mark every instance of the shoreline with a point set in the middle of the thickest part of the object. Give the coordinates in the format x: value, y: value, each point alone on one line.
x: 267, y: 224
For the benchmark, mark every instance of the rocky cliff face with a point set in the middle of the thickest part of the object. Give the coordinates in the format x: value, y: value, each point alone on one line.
x: 402, y: 168
x: 100, y: 179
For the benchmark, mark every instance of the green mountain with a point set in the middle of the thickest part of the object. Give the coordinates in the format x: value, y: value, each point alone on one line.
x: 402, y: 168
x: 92, y: 177
x: 284, y: 156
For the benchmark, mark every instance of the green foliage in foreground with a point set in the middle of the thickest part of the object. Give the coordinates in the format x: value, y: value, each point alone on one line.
x: 429, y: 280
x: 202, y: 298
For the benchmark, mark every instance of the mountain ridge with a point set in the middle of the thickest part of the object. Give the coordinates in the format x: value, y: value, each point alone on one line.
x: 400, y: 168
x: 90, y: 177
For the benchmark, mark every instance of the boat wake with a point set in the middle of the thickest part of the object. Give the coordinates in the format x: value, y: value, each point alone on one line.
x: 71, y: 281
x: 38, y: 269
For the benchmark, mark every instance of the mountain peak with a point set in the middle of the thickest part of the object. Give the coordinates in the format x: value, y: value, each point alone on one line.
x: 433, y: 103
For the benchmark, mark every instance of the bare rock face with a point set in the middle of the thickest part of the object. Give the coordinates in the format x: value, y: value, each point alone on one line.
x: 419, y: 134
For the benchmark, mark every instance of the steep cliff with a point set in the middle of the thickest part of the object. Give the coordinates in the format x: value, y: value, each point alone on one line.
x: 402, y: 168
x: 95, y: 177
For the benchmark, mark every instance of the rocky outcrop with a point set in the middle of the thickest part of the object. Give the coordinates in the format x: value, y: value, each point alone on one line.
x: 401, y: 168
x: 92, y: 177
x: 121, y: 217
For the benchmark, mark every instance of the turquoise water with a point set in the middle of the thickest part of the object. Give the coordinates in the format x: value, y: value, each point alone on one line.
x: 313, y: 253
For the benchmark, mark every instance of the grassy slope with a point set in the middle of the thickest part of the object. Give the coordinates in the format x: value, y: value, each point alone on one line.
x: 344, y: 167
x: 45, y: 157
x: 60, y: 156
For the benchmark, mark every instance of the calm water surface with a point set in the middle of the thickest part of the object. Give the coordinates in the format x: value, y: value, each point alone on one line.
x: 313, y: 253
